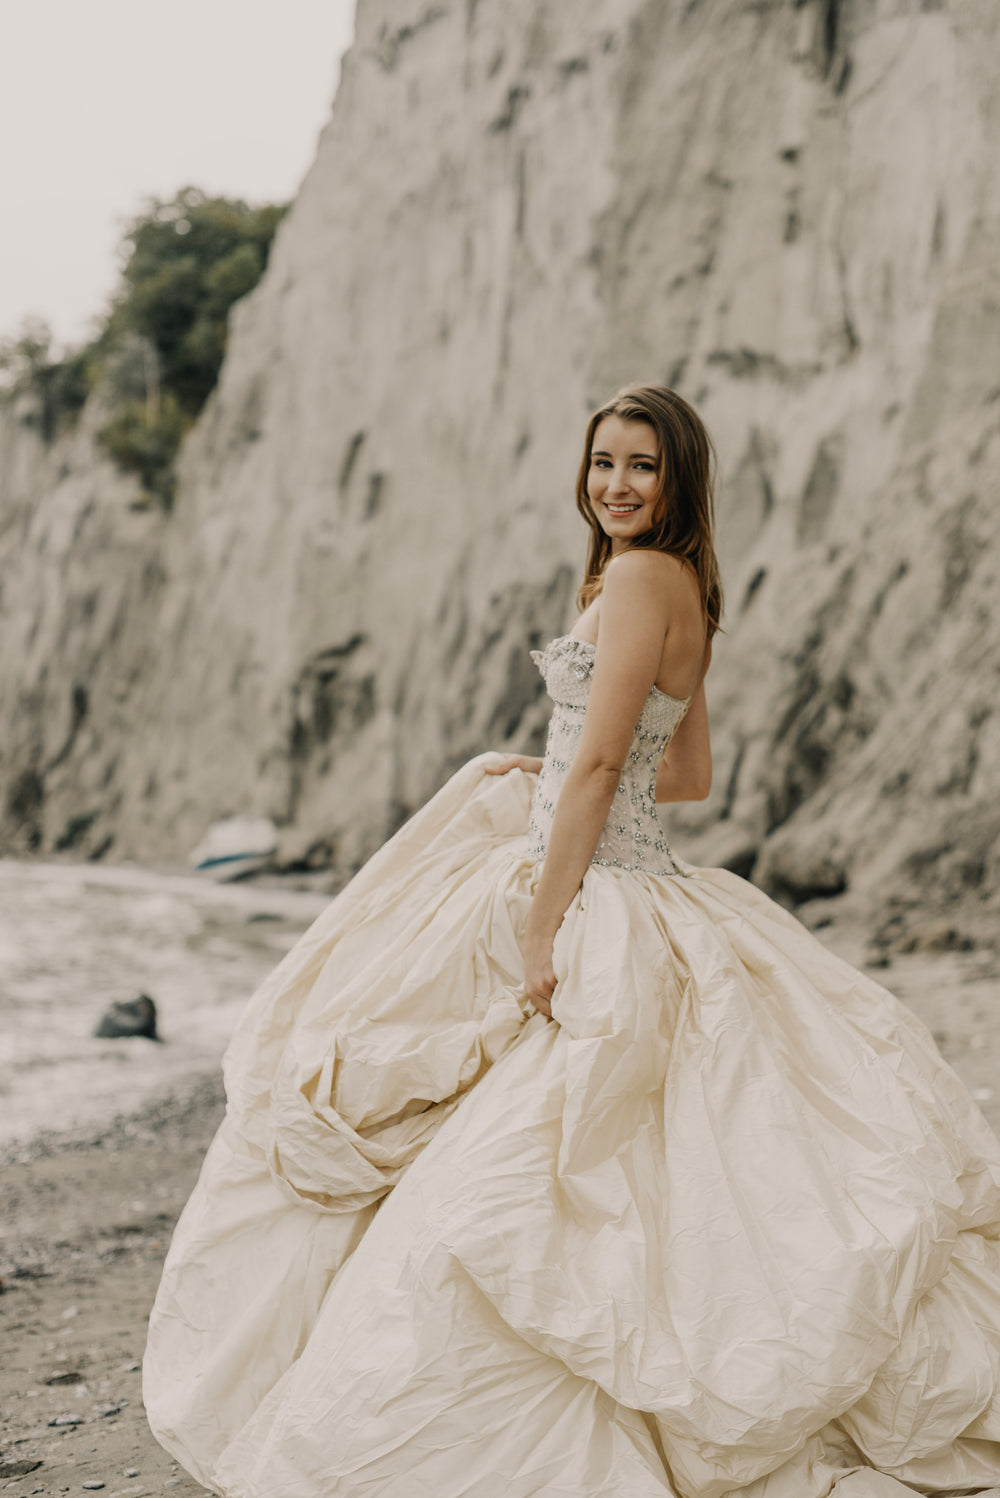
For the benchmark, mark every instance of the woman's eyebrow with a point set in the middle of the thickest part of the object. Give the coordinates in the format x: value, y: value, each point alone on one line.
x: 599, y: 452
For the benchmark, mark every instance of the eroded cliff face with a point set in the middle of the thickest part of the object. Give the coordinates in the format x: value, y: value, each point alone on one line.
x: 787, y: 211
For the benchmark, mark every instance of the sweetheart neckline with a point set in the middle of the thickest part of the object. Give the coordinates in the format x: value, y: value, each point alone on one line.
x: 680, y: 701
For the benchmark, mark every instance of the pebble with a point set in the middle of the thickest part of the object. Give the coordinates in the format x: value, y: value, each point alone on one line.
x: 108, y: 1409
x: 131, y: 1471
x: 126, y: 1018
x: 66, y: 1420
x: 92, y: 1486
x: 131, y: 1367
x: 172, y: 1482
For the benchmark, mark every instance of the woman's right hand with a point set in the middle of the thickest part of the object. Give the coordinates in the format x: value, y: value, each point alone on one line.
x: 507, y: 762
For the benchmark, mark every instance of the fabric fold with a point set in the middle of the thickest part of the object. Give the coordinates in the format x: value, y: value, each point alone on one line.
x: 728, y: 1225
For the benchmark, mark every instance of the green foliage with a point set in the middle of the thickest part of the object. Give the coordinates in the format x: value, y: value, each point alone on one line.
x: 158, y: 355
x: 144, y: 438
x: 23, y: 355
x: 61, y: 386
x: 189, y: 260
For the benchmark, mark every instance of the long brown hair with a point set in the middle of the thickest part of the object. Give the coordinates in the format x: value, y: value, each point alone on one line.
x: 685, y: 517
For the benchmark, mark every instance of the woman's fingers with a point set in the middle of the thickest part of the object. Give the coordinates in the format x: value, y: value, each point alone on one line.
x: 540, y: 995
x: 507, y: 762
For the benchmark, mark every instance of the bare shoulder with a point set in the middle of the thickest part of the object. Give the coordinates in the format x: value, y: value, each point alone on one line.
x: 658, y: 572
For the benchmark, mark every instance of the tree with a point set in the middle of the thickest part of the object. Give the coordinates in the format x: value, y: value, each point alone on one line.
x: 184, y: 263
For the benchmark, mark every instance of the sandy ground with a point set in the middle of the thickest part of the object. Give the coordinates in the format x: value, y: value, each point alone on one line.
x: 87, y: 1222
x: 87, y: 1210
x: 76, y: 938
x: 101, y: 1140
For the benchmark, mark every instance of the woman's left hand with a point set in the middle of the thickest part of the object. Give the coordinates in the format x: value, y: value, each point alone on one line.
x: 539, y: 976
x: 507, y: 762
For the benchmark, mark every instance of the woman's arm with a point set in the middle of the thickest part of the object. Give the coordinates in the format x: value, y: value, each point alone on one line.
x: 639, y: 590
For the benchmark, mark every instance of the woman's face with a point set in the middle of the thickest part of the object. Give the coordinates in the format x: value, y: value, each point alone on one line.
x: 624, y: 478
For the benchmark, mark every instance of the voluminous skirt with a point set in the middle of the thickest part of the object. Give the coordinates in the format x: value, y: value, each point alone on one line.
x: 730, y: 1225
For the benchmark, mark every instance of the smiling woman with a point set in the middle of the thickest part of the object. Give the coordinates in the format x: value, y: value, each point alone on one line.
x: 646, y: 480
x: 556, y: 1167
x: 624, y: 479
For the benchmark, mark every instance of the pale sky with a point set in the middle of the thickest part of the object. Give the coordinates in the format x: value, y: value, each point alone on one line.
x: 104, y: 103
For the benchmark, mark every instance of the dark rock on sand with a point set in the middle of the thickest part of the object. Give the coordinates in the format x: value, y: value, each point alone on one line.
x: 126, y: 1018
x: 18, y: 1469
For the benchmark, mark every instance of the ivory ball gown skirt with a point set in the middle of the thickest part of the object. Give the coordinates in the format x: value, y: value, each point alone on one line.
x: 728, y: 1225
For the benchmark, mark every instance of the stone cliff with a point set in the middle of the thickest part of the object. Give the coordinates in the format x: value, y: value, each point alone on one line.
x: 787, y: 210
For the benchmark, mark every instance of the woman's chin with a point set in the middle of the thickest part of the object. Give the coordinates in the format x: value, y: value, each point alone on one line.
x: 623, y: 528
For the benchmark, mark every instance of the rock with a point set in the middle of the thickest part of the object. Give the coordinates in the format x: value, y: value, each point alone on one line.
x: 131, y: 1472
x: 819, y: 281
x: 233, y: 848
x: 300, y: 849
x: 66, y: 1420
x: 91, y: 1486
x: 71, y: 1376
x: 936, y: 936
x: 106, y: 1410
x: 128, y: 1018
x: 18, y: 1469
x: 793, y: 873
x: 727, y: 845
x: 37, y: 1271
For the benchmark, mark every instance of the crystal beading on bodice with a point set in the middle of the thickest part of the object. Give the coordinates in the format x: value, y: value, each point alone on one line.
x: 632, y: 837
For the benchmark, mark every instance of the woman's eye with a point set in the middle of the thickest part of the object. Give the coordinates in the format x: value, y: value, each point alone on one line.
x: 601, y: 462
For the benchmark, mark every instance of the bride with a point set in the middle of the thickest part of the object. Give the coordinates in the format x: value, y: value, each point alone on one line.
x: 555, y: 1166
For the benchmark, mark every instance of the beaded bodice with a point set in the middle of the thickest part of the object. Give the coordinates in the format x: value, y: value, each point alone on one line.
x: 632, y: 837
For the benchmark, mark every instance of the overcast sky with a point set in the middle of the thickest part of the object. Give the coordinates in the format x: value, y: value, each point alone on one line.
x: 106, y: 102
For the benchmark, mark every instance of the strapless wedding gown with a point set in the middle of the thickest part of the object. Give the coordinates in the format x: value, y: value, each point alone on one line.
x: 731, y: 1225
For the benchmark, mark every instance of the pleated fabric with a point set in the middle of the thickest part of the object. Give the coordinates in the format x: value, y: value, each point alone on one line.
x: 730, y: 1224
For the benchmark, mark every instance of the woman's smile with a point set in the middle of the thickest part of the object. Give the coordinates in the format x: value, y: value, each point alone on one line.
x: 623, y: 482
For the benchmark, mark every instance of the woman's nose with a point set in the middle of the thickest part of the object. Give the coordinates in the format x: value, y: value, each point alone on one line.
x: 619, y: 481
